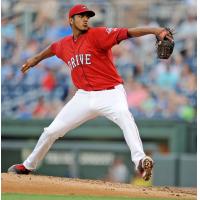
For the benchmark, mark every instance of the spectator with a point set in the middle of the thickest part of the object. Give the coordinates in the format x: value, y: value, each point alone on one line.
x: 41, y: 109
x: 137, y: 94
x: 167, y: 79
x: 23, y: 112
x: 118, y: 172
x: 49, y: 80
x: 187, y: 84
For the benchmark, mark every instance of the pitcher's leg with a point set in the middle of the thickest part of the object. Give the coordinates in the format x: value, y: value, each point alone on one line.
x: 74, y: 113
x: 123, y: 118
x: 143, y: 163
x: 115, y: 108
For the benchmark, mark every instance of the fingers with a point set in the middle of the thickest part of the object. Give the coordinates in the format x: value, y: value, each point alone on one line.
x: 165, y: 34
x: 162, y: 35
x: 25, y: 68
x: 169, y: 38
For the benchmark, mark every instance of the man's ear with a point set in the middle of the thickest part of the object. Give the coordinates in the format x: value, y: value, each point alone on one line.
x: 71, y: 20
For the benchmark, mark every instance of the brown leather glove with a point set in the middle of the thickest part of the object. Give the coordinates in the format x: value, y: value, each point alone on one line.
x: 165, y: 43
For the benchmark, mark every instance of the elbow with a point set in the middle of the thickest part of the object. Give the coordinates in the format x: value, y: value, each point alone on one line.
x: 129, y: 34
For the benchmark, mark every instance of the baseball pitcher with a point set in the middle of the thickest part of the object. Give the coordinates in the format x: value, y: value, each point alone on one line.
x: 87, y: 52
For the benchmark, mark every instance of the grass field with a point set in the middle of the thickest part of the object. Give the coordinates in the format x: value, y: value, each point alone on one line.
x: 8, y: 196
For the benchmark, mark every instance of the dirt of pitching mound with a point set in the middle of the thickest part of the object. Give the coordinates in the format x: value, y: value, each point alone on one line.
x: 34, y: 184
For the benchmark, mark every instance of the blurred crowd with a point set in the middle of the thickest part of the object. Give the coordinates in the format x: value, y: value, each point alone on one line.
x: 161, y: 89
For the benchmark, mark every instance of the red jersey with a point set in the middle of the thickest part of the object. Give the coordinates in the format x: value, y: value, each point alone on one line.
x: 90, y: 58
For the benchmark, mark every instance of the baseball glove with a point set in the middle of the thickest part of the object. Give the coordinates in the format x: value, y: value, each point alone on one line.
x: 165, y: 43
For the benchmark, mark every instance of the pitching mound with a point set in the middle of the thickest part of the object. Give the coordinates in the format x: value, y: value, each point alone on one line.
x: 34, y: 184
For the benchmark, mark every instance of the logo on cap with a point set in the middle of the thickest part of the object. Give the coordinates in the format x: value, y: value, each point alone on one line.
x: 78, y: 9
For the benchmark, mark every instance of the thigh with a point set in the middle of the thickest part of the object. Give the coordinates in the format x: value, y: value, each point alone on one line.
x: 115, y: 107
x: 74, y: 113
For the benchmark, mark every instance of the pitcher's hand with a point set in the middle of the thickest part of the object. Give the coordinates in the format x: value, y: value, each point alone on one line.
x: 29, y: 63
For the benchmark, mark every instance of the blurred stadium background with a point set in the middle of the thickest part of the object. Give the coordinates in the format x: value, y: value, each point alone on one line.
x: 162, y: 95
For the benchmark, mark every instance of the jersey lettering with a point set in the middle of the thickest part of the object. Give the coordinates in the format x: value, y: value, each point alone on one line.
x: 77, y: 61
x: 87, y: 59
x: 83, y: 59
x: 73, y: 62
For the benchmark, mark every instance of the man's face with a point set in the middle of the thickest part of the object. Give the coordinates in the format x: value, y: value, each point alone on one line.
x: 80, y: 21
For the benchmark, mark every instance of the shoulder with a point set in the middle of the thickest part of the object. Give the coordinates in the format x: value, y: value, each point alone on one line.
x: 56, y: 46
x: 96, y: 29
x: 104, y: 30
x: 66, y: 39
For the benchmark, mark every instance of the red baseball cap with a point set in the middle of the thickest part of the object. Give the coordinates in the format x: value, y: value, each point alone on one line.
x: 80, y: 8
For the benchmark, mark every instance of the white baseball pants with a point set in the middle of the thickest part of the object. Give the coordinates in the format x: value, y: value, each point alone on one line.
x: 86, y: 105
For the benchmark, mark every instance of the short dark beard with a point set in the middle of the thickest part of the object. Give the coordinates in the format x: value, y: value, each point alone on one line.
x: 83, y: 31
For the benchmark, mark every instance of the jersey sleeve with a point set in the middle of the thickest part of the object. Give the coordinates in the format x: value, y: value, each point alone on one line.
x: 106, y: 38
x: 56, y: 48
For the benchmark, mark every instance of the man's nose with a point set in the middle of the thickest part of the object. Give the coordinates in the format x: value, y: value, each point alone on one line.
x: 85, y: 18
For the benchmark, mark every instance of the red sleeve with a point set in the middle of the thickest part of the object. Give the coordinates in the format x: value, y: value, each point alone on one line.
x: 106, y: 38
x: 56, y: 48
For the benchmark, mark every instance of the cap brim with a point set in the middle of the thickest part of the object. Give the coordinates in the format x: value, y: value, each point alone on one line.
x: 90, y: 13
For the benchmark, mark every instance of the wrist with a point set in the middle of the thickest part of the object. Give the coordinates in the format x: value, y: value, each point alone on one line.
x: 158, y: 31
x: 32, y: 62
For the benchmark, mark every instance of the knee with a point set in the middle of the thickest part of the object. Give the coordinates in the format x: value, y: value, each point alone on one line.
x: 55, y: 130
x: 51, y: 134
x: 125, y: 112
x: 124, y: 115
